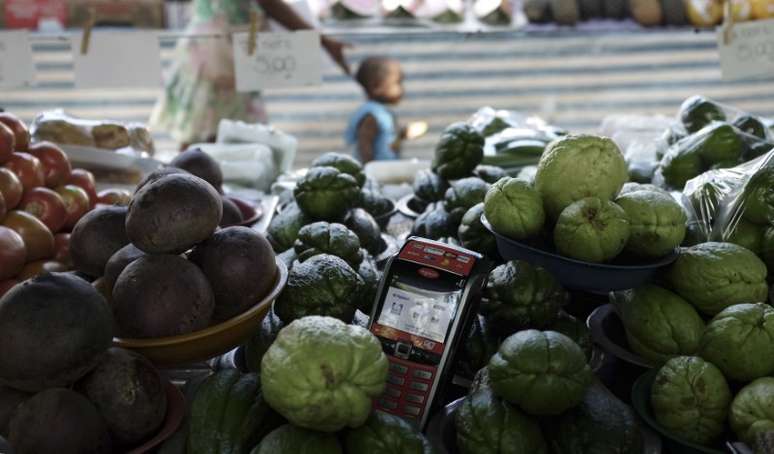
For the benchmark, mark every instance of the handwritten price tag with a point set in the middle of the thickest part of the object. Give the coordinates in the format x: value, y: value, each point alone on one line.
x: 749, y: 52
x: 16, y: 68
x: 280, y: 60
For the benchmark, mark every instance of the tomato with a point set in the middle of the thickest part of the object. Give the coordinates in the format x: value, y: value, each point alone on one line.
x: 76, y: 203
x: 39, y: 267
x: 85, y: 180
x: 28, y: 168
x: 36, y: 236
x: 120, y: 197
x: 11, y: 188
x: 20, y: 132
x: 7, y: 143
x: 46, y: 205
x: 56, y: 166
x: 6, y: 285
x: 3, y: 208
x: 13, y: 253
x: 62, y: 248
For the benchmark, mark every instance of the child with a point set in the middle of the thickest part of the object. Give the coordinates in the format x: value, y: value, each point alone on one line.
x: 373, y: 130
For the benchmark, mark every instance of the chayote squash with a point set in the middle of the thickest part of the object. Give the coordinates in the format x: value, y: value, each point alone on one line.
x: 478, y: 347
x: 758, y: 196
x: 464, y: 194
x: 326, y: 194
x: 514, y: 208
x: 429, y: 186
x: 680, y: 165
x: 697, y: 112
x: 474, y: 236
x: 384, y: 433
x: 656, y: 223
x: 229, y: 415
x: 324, y: 238
x: 518, y: 296
x: 367, y: 230
x: 574, y: 329
x: 458, y: 152
x: 543, y: 372
x: 322, y: 374
x: 487, y: 424
x: 322, y: 285
x: 256, y: 346
x: 283, y: 228
x: 435, y: 223
x: 490, y: 174
x: 371, y: 276
x: 375, y: 203
x: 289, y: 439
x: 343, y: 163
x: 752, y: 410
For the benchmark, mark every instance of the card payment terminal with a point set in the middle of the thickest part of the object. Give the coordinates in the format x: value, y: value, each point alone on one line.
x: 427, y: 296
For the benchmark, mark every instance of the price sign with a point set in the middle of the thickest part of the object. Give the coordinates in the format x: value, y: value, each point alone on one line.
x: 16, y: 68
x: 749, y: 50
x: 280, y: 60
x: 118, y: 59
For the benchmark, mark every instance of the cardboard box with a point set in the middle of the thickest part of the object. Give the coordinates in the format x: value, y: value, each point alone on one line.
x: 137, y: 13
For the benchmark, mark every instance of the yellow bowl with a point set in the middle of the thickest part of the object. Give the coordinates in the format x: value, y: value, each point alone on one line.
x: 211, y: 341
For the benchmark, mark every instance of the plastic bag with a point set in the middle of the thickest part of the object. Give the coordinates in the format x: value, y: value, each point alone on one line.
x: 734, y: 205
x: 638, y: 137
x: 250, y: 164
x: 283, y: 146
x: 59, y: 127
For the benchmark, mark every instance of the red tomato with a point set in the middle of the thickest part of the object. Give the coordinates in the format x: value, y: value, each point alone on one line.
x: 11, y: 188
x: 39, y: 267
x: 7, y: 143
x: 85, y: 180
x: 56, y: 166
x: 28, y: 168
x: 76, y: 203
x: 3, y: 208
x: 120, y: 197
x: 46, y: 205
x: 13, y: 253
x: 62, y: 248
x: 21, y: 134
x: 36, y: 236
x: 7, y: 285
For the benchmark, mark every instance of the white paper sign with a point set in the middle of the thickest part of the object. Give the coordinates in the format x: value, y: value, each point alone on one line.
x: 749, y: 52
x: 16, y: 67
x: 118, y: 59
x: 280, y: 60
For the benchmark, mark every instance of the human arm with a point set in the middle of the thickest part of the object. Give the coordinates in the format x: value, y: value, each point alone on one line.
x: 367, y: 131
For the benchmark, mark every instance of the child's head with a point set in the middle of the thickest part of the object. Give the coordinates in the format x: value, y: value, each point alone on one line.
x: 381, y: 78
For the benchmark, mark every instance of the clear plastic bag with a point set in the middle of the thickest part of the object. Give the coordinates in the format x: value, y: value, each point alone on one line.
x: 63, y: 129
x: 283, y: 146
x: 249, y: 164
x: 638, y: 137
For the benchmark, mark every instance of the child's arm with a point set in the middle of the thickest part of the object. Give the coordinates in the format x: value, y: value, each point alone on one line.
x: 367, y: 131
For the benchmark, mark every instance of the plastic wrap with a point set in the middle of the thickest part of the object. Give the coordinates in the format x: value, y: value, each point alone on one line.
x: 638, y: 137
x: 63, y: 129
x: 283, y: 146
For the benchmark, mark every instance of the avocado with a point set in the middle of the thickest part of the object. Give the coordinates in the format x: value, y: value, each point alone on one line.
x: 96, y: 237
x: 172, y: 214
x: 240, y: 265
x: 118, y: 262
x: 129, y: 394
x: 232, y: 215
x: 199, y: 163
x: 60, y: 421
x: 161, y: 295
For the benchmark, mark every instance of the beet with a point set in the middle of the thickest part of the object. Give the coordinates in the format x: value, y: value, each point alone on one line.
x: 231, y: 213
x: 200, y: 164
x: 118, y: 262
x: 96, y: 237
x: 158, y: 174
x: 9, y: 401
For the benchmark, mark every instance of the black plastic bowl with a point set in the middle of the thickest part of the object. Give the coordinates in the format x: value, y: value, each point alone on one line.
x: 442, y: 434
x: 579, y: 275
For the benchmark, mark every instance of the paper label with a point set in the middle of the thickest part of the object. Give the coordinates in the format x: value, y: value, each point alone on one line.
x: 280, y: 60
x: 749, y: 52
x: 16, y: 67
x: 118, y: 59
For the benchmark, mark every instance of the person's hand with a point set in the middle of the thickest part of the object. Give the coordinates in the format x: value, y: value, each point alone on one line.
x: 336, y: 50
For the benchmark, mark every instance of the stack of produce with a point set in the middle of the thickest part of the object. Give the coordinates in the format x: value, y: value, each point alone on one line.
x: 41, y: 200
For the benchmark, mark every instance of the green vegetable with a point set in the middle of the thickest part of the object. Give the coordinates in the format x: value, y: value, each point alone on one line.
x: 367, y: 230
x: 758, y: 196
x: 715, y: 143
x: 257, y: 345
x: 229, y: 415
x: 324, y: 238
x: 435, y: 223
x: 474, y: 236
x: 746, y: 234
x: 488, y: 425
x: 495, y: 126
x: 634, y: 187
x: 322, y: 374
x: 289, y: 439
x: 656, y: 223
x: 322, y: 285
x: 574, y: 329
x: 739, y: 341
x: 592, y: 230
x: 429, y: 187
x: 283, y: 228
x: 375, y: 203
x: 697, y: 112
x: 690, y: 398
x: 752, y: 410
x: 713, y: 276
x: 543, y: 372
x: 659, y: 324
x: 490, y: 174
x: 371, y: 277
x: 479, y: 346
x: 384, y: 433
x: 458, y: 152
x: 343, y: 163
x: 463, y: 195
x: 520, y: 296
x: 514, y: 208
x: 579, y: 166
x: 680, y: 165
x: 750, y: 124
x: 325, y: 193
